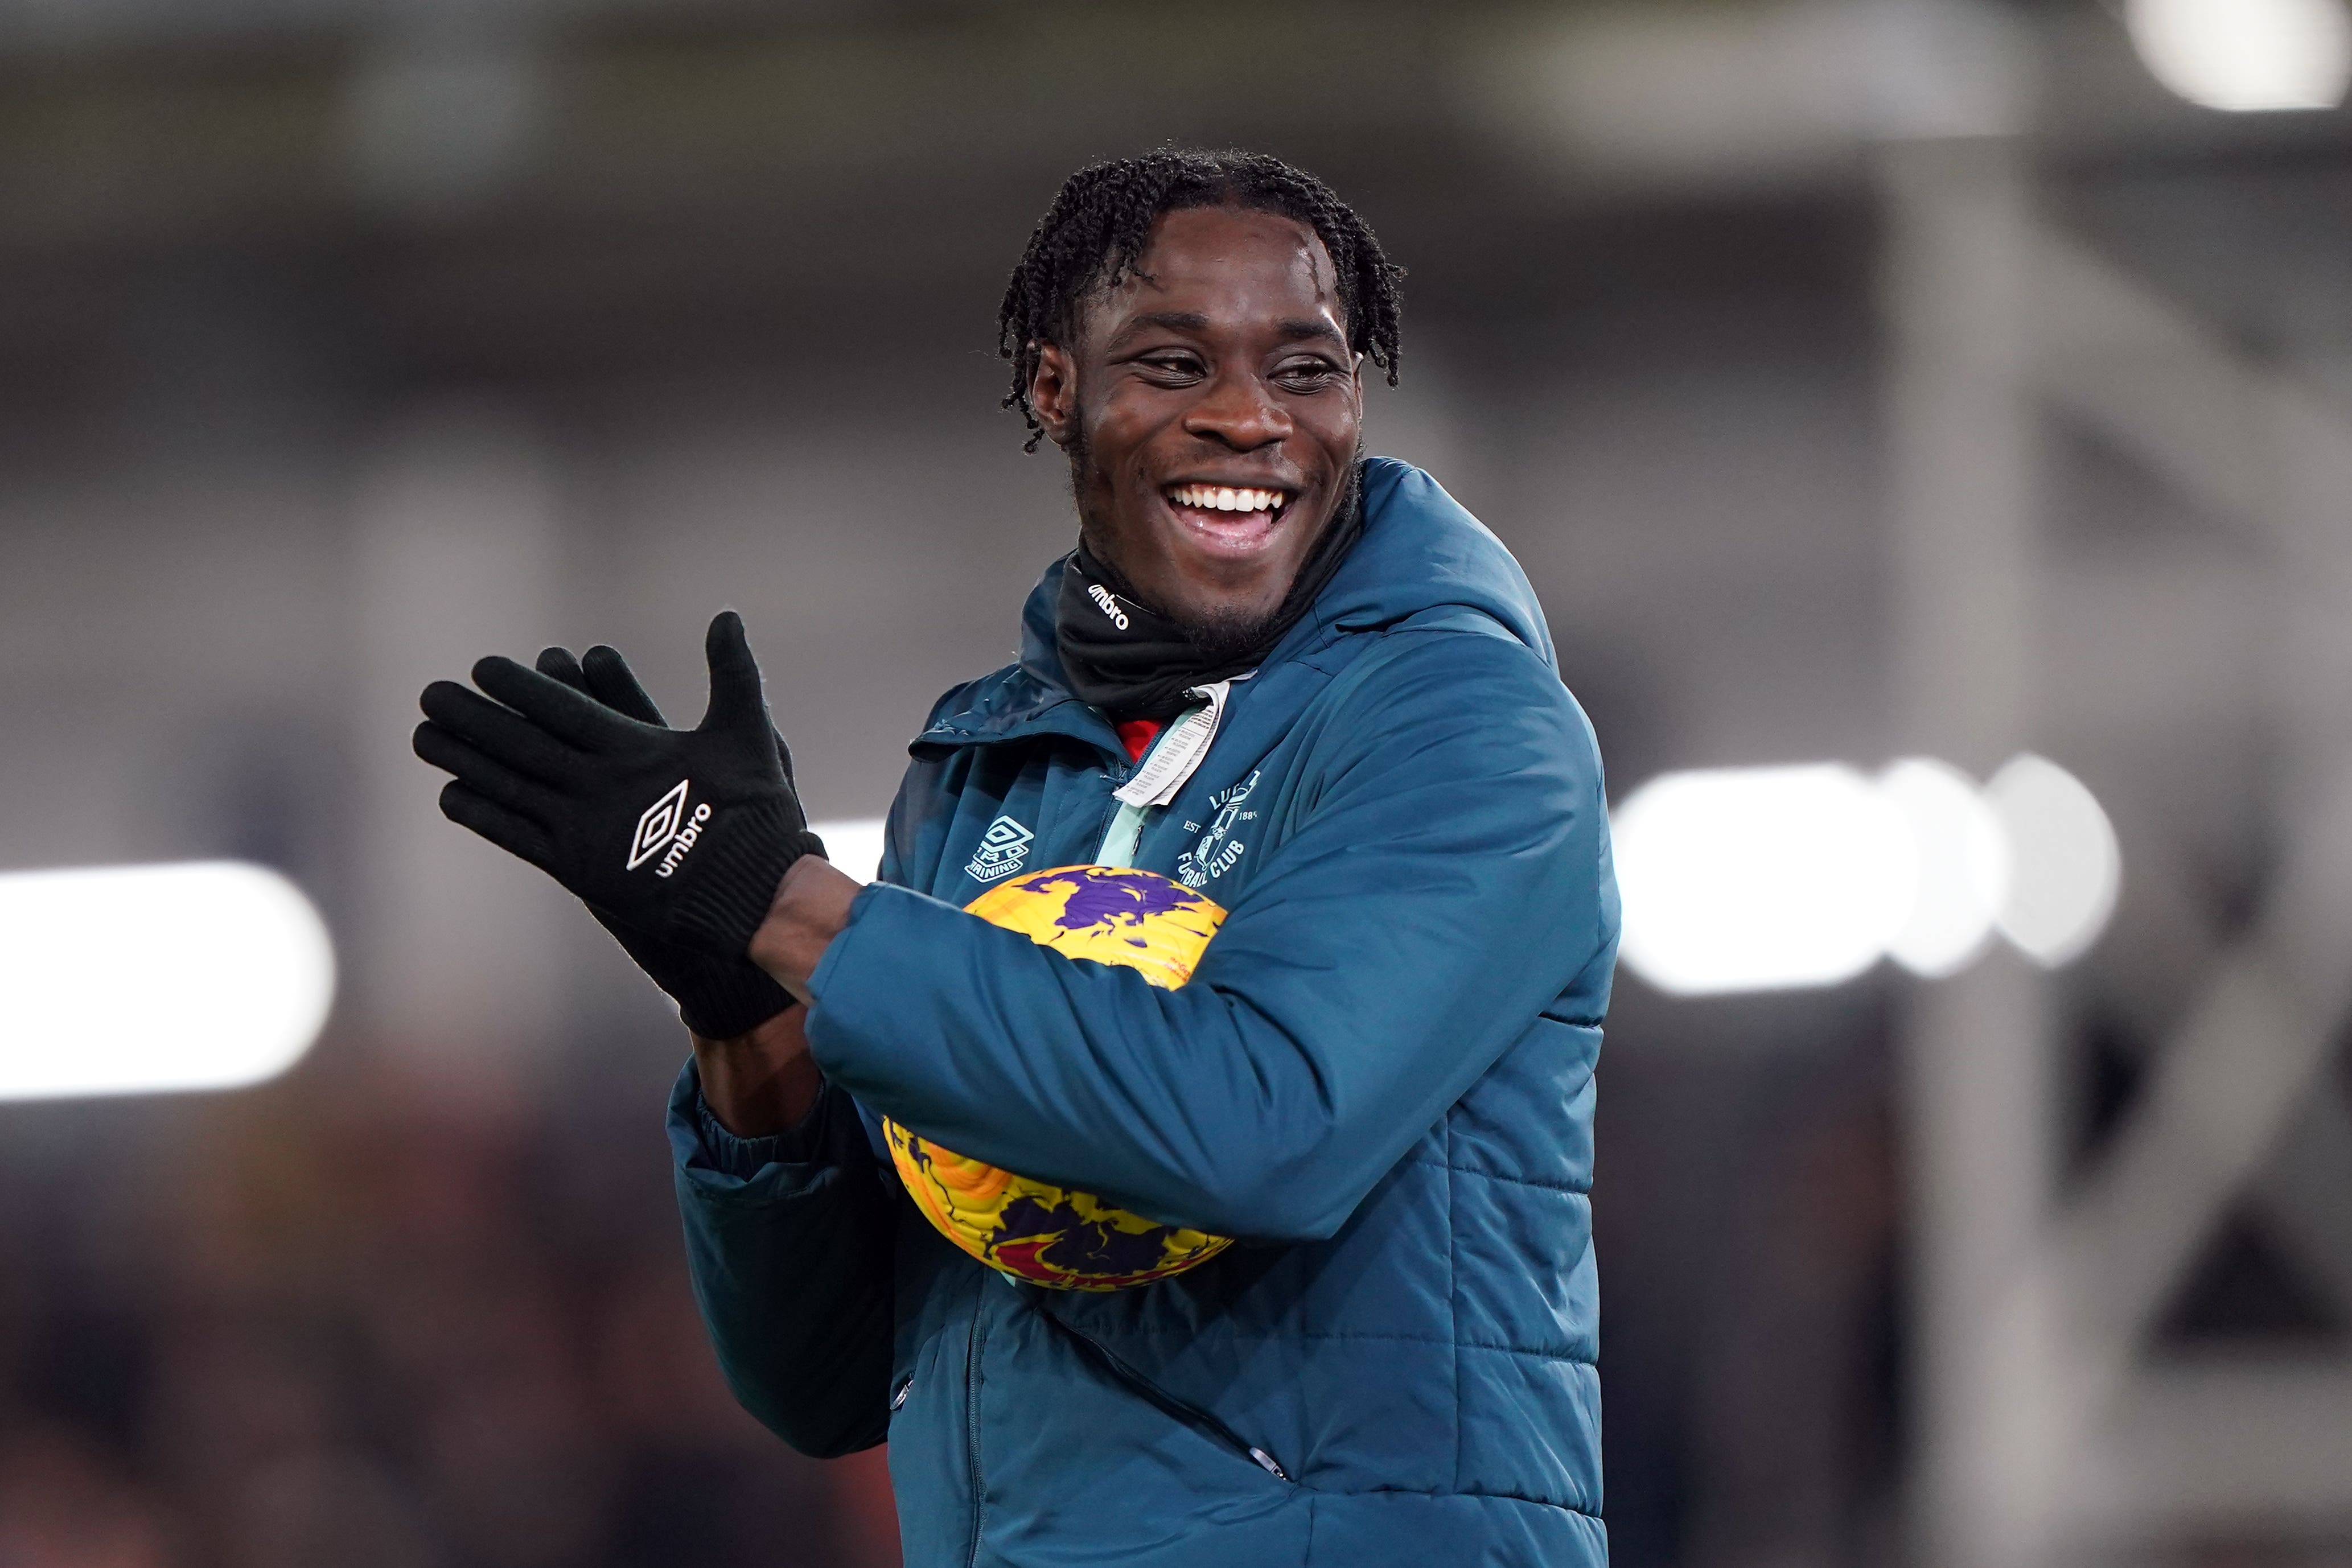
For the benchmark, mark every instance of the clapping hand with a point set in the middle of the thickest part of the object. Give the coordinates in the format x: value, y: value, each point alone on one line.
x: 679, y: 836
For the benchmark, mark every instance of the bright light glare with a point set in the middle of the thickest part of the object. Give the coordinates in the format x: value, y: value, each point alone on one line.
x: 1761, y: 878
x: 852, y: 844
x: 135, y: 980
x: 2065, y: 867
x: 1963, y: 865
x: 2246, y: 55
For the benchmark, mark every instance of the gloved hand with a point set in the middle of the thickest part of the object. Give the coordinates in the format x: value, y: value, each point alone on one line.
x: 683, y: 834
x: 718, y: 998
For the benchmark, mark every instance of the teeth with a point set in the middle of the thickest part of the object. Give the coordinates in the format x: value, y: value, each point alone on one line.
x: 1226, y: 499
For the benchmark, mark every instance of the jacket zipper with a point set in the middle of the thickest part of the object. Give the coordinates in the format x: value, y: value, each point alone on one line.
x: 1182, y: 1410
x: 974, y: 1342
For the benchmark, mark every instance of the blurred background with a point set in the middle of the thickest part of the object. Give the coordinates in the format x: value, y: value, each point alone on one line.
x: 1856, y: 378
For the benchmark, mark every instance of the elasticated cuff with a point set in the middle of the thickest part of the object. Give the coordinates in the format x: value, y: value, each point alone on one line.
x: 731, y: 892
x: 735, y: 1003
x: 699, y: 1142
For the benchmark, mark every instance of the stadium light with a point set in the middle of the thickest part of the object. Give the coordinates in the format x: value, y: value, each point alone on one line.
x: 1964, y: 865
x: 1744, y: 878
x: 2065, y: 867
x: 141, y: 980
x: 1771, y: 878
x: 2246, y: 55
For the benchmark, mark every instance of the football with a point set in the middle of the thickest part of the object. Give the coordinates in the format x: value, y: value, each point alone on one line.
x: 1030, y: 1230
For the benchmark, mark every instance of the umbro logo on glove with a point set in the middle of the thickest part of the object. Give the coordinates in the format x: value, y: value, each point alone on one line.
x: 664, y: 824
x: 548, y: 773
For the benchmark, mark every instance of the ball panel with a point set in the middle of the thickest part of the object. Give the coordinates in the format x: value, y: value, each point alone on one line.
x: 1112, y: 914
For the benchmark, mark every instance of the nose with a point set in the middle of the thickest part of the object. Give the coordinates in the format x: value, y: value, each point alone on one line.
x: 1238, y: 409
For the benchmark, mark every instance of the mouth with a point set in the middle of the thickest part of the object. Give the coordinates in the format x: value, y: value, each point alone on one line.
x: 1229, y: 519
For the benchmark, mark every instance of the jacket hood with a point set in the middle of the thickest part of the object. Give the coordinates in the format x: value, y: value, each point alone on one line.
x: 1421, y: 550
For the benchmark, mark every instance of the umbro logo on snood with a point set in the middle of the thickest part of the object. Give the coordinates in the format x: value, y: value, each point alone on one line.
x: 665, y: 825
x: 1108, y: 602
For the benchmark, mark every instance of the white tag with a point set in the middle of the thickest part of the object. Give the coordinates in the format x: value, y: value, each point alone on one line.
x: 1179, y: 752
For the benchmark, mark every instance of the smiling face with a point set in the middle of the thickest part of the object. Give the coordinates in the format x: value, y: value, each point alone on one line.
x: 1211, y: 409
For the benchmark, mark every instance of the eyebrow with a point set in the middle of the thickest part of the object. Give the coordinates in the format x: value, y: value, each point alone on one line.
x: 1304, y: 328
x: 1297, y: 330
x: 1167, y: 321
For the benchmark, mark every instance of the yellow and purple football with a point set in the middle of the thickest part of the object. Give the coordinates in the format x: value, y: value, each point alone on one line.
x: 1030, y: 1230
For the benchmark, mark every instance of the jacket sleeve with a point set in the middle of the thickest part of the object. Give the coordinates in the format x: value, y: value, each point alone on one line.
x: 1444, y: 879
x: 788, y: 1242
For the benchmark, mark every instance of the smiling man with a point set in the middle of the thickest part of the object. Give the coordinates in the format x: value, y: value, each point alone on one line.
x: 1310, y: 689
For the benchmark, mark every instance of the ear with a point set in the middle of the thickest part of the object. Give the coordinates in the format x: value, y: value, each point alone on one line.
x: 1054, y: 392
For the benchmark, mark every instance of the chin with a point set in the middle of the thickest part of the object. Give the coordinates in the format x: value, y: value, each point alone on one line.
x: 1222, y: 631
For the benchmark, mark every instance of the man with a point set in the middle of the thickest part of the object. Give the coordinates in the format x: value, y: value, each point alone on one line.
x: 1380, y: 1077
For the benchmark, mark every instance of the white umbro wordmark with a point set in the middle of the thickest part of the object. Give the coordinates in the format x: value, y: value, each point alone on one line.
x: 1108, y: 601
x: 664, y: 825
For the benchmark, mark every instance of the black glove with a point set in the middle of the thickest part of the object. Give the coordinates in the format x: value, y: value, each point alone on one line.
x: 683, y: 834
x: 718, y: 998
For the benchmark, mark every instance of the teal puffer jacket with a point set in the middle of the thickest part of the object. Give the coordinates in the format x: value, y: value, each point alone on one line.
x: 1380, y: 1077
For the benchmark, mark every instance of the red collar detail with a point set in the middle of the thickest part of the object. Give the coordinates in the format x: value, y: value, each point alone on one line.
x: 1138, y: 734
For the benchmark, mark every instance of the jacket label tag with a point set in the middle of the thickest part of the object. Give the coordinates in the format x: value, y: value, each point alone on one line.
x: 1180, y: 750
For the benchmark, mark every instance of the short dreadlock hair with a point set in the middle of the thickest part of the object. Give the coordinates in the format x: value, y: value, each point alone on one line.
x: 1095, y: 233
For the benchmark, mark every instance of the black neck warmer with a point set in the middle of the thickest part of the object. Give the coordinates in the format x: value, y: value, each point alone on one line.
x: 1131, y: 661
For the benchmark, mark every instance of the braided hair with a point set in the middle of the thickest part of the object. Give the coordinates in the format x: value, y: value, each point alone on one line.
x: 1094, y: 234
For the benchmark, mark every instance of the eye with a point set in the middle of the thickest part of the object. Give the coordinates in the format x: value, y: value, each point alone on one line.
x: 1307, y: 375
x: 1170, y: 366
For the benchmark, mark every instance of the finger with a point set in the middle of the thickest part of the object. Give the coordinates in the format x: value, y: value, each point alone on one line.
x: 486, y: 777
x: 511, y: 831
x: 557, y: 663
x: 500, y: 734
x: 604, y: 676
x: 567, y: 715
x: 735, y: 696
x: 614, y: 684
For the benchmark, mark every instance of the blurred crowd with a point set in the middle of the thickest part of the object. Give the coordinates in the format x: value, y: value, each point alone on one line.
x: 354, y: 1318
